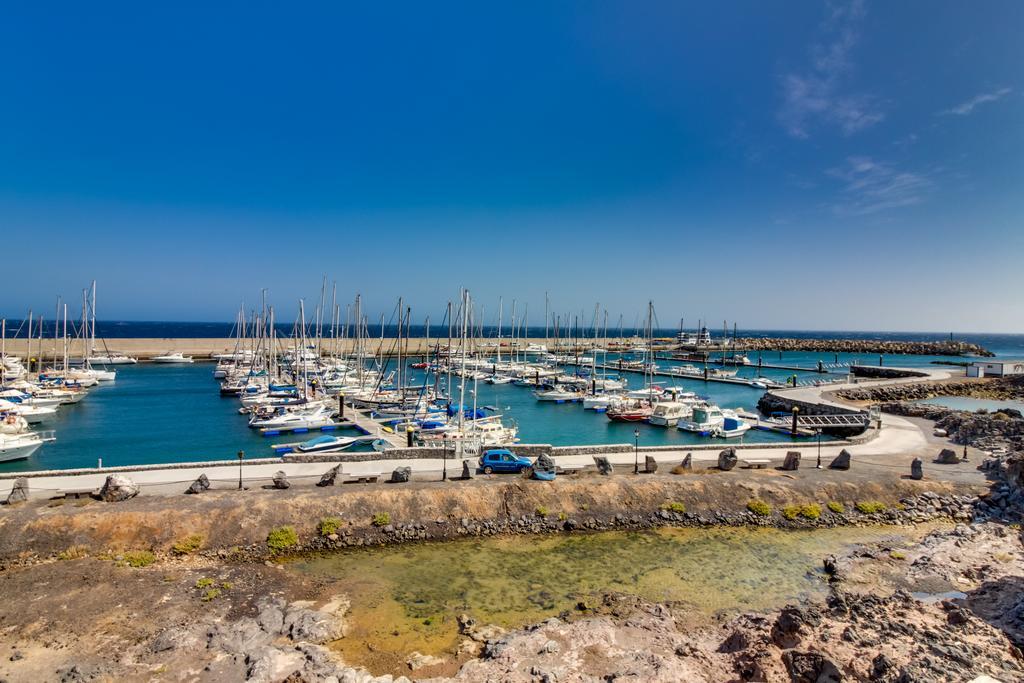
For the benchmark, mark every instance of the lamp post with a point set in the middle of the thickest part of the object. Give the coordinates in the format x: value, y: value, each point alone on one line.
x: 444, y: 472
x: 636, y: 450
x: 241, y: 456
x: 819, y: 447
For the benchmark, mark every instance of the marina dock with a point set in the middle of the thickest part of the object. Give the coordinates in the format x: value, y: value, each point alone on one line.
x: 750, y: 382
x: 367, y: 425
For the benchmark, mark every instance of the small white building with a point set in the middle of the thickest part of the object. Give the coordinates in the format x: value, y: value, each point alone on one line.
x: 995, y: 368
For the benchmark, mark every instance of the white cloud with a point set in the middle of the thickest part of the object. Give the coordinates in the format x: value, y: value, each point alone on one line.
x: 816, y: 94
x: 965, y: 108
x: 871, y: 186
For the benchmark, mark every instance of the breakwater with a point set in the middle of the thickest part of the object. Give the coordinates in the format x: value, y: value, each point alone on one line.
x: 873, y: 346
x: 204, y: 347
x: 1002, y: 388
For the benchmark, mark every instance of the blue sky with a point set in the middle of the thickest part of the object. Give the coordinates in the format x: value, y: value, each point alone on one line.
x: 855, y: 165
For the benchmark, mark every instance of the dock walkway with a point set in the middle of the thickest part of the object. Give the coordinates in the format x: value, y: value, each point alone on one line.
x: 364, y: 423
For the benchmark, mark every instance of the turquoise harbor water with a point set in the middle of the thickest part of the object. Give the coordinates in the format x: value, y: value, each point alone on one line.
x: 174, y: 413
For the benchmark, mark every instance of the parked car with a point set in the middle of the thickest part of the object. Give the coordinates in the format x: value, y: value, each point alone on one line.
x: 502, y: 460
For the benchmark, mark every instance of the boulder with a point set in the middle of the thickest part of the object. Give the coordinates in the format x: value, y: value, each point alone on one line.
x: 810, y: 667
x: 199, y: 485
x: 117, y: 488
x: 841, y: 461
x: 604, y: 466
x: 916, y: 469
x: 281, y: 480
x: 19, y: 491
x: 401, y: 475
x: 239, y: 637
x: 650, y: 464
x: 301, y: 623
x: 947, y: 457
x: 544, y: 463
x: 175, y: 639
x: 418, y: 660
x: 468, y: 469
x: 792, y: 461
x: 271, y: 615
x: 273, y: 665
x: 329, y: 476
x: 789, y: 625
x: 727, y: 459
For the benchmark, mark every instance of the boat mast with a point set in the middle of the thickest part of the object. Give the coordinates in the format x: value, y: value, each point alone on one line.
x: 547, y: 312
x: 499, y: 330
x: 28, y: 346
x: 65, y: 342
x: 462, y: 384
x: 401, y: 322
x: 92, y: 335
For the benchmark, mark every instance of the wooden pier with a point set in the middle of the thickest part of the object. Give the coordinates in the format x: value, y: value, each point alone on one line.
x: 361, y: 420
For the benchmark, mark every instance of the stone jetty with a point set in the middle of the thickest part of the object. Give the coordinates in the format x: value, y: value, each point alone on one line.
x: 914, y: 348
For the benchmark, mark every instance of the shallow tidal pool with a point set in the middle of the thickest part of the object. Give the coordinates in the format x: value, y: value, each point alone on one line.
x: 407, y: 598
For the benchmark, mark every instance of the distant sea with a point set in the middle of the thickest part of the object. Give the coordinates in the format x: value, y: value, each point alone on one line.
x: 1000, y: 344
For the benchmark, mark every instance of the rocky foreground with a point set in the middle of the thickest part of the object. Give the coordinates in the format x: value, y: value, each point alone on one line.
x: 869, y: 629
x: 873, y: 346
x: 87, y: 603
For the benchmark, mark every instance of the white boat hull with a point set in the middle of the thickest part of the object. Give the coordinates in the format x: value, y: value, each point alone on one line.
x: 18, y: 448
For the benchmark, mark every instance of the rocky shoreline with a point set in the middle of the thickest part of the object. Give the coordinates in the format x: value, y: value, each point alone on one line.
x: 1004, y: 388
x: 872, y: 346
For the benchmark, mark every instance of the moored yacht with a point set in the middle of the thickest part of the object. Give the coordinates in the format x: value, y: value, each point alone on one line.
x: 668, y: 413
x: 21, y: 446
x: 172, y: 357
x: 704, y: 419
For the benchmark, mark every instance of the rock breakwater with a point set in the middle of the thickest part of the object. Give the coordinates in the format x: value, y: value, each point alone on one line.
x: 1004, y: 388
x: 882, y: 346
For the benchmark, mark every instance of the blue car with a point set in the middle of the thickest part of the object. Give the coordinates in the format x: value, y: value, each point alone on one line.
x: 502, y: 460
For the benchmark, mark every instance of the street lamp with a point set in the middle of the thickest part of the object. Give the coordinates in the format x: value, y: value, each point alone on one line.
x: 819, y: 447
x: 636, y: 450
x: 241, y: 456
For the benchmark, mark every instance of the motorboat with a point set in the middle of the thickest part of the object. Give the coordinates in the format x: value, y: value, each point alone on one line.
x: 668, y: 413
x: 327, y: 444
x: 19, y: 397
x: 80, y: 377
x: 704, y: 419
x: 21, y: 446
x: 600, y: 402
x: 30, y: 413
x: 299, y: 419
x: 558, y: 395
x: 650, y: 393
x: 172, y: 357
x: 112, y: 359
x: 499, y: 379
x: 731, y: 427
x: 635, y: 411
